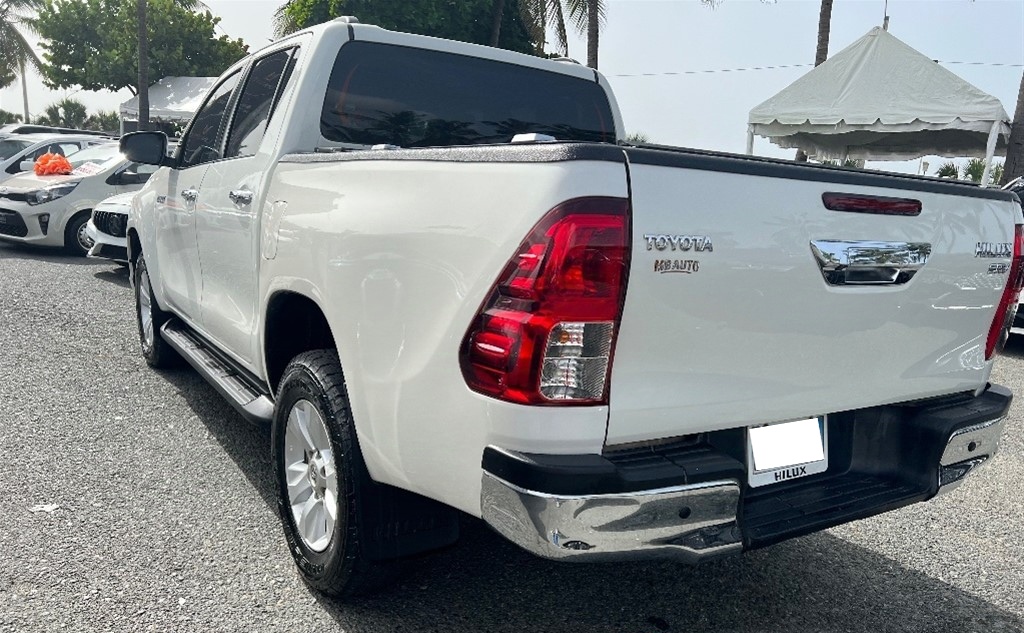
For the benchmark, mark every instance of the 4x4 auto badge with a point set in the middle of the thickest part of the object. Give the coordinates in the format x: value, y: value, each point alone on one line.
x: 667, y: 242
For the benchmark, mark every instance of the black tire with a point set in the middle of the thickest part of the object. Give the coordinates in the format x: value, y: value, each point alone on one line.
x: 157, y: 352
x: 344, y: 567
x: 76, y: 242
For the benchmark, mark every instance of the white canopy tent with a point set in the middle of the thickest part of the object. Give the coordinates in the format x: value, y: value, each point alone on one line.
x: 171, y: 99
x: 879, y: 99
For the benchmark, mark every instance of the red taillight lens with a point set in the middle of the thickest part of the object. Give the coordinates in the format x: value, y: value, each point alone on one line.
x: 1007, y: 310
x: 546, y: 332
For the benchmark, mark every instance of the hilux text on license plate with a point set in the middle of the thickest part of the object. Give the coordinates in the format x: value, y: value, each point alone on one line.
x: 786, y: 450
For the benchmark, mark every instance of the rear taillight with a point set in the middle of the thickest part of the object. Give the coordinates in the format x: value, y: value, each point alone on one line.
x: 546, y: 332
x: 1007, y: 310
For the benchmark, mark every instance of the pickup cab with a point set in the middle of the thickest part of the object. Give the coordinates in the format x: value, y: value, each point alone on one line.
x: 441, y: 276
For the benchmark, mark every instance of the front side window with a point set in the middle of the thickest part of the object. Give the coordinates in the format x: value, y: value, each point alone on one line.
x: 256, y: 103
x: 379, y: 93
x: 203, y: 141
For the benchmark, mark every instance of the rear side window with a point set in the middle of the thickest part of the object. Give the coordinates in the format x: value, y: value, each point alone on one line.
x: 379, y: 93
x: 255, y: 105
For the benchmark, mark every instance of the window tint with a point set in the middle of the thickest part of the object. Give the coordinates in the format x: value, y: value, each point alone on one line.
x: 203, y: 141
x: 136, y: 173
x: 380, y: 93
x: 256, y: 103
x: 10, y: 147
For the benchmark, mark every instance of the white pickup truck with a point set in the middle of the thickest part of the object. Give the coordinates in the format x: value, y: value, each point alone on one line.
x: 606, y: 352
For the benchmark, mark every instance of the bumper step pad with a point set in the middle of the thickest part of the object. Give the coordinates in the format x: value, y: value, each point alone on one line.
x: 818, y: 505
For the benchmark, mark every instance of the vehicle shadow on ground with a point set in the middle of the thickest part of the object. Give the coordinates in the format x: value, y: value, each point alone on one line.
x: 484, y: 583
x: 118, y: 275
x: 806, y: 585
x: 246, y: 444
x: 13, y: 250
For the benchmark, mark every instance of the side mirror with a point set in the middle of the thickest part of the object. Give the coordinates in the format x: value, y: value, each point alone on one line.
x: 27, y: 165
x: 149, y: 148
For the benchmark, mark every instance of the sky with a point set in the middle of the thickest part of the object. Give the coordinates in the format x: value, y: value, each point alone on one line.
x: 676, y: 66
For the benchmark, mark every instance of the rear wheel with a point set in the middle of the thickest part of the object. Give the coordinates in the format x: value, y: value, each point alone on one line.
x: 76, y: 239
x: 150, y: 318
x: 323, y: 486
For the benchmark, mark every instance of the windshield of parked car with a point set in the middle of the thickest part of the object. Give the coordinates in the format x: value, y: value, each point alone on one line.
x: 94, y: 159
x: 10, y: 147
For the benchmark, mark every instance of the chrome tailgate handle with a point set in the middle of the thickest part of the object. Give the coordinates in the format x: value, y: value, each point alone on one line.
x: 869, y: 263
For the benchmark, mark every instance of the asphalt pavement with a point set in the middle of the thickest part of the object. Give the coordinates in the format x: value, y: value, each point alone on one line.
x: 136, y: 500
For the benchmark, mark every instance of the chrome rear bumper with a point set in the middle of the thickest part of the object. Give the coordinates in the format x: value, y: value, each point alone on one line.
x: 967, y: 450
x: 690, y: 503
x: 691, y: 523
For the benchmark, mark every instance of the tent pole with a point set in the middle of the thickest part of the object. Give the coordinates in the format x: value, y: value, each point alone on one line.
x: 990, y: 150
x: 750, y: 140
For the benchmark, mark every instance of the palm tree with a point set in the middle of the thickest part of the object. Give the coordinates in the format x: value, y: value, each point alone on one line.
x: 497, y: 11
x: 283, y: 21
x: 821, y: 51
x: 64, y: 113
x: 16, y: 54
x: 948, y: 170
x: 1014, y: 165
x: 143, y: 35
x: 824, y: 30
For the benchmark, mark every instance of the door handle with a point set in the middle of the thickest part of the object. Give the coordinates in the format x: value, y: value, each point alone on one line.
x: 190, y: 195
x: 240, y: 196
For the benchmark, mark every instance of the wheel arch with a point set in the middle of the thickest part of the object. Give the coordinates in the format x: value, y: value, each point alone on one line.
x: 73, y: 215
x: 292, y: 324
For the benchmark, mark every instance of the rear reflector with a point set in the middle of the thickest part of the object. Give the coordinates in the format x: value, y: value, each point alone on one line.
x: 546, y: 332
x: 880, y: 205
x: 999, y: 331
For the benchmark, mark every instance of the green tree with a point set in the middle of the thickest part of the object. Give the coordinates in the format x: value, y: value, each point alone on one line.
x: 465, y: 21
x: 64, y: 113
x: 638, y: 138
x: 94, y: 43
x: 103, y: 121
x: 9, y: 117
x: 16, y: 54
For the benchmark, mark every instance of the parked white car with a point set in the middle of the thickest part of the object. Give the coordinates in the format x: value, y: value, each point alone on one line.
x: 54, y: 210
x: 18, y: 152
x: 106, y: 228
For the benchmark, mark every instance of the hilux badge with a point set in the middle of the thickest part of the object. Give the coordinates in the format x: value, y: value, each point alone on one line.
x: 994, y: 249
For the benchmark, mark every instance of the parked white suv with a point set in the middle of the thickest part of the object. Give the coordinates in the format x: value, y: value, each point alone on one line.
x: 18, y: 152
x: 54, y: 210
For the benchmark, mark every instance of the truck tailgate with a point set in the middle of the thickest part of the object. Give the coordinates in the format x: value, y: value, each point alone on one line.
x: 729, y: 319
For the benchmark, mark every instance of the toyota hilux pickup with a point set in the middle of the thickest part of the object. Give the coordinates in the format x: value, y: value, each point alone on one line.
x: 447, y: 283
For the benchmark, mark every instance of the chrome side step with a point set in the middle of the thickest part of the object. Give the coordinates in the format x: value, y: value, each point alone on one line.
x: 254, y: 406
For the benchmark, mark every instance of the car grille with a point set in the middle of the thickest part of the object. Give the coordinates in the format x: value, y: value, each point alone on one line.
x: 110, y: 223
x: 12, y: 224
x: 16, y: 197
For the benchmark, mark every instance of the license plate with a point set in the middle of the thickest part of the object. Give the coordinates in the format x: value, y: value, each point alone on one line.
x: 786, y: 450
